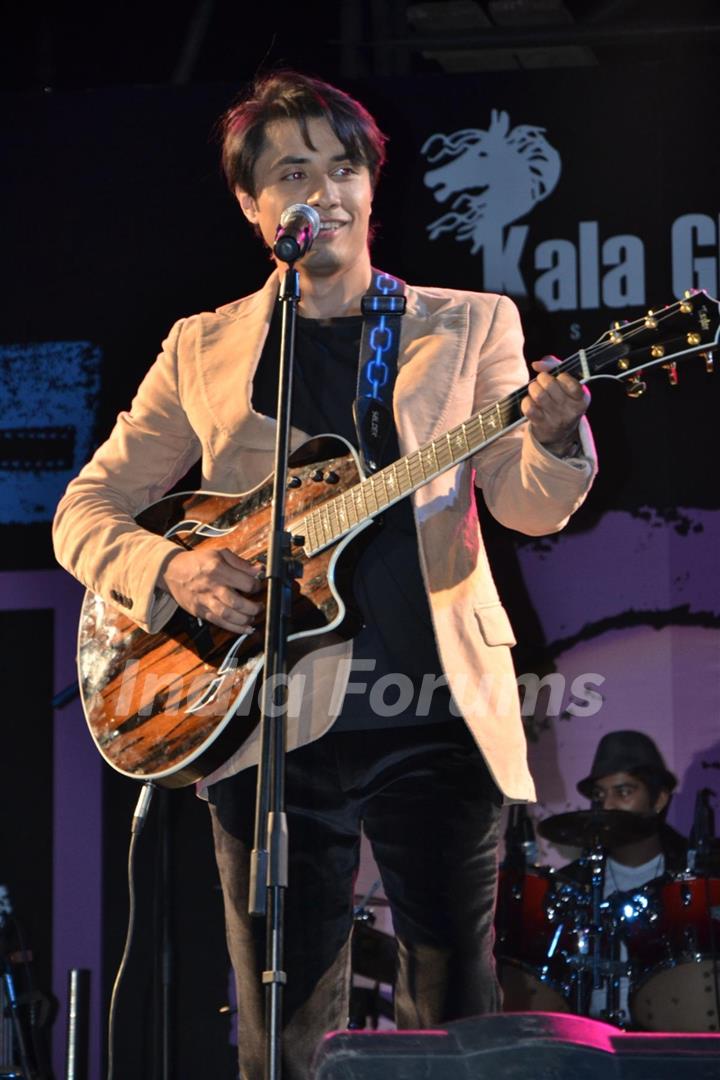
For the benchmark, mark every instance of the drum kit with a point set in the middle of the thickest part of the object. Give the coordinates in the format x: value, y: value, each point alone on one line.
x: 646, y: 959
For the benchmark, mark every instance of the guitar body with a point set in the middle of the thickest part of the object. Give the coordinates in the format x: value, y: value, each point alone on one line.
x: 172, y: 706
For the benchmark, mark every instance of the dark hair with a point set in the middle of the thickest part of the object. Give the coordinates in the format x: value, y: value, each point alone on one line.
x: 288, y: 95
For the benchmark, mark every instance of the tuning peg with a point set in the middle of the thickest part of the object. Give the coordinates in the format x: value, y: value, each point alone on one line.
x: 650, y: 321
x: 709, y: 362
x: 635, y: 387
x: 671, y: 369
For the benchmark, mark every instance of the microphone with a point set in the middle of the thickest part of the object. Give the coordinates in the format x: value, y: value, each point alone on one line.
x: 299, y: 225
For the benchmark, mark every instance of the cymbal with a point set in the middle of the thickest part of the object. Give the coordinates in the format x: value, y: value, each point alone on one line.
x: 374, y: 954
x: 609, y: 828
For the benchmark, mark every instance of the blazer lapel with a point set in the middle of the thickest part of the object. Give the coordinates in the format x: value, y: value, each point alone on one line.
x: 433, y: 343
x: 229, y: 355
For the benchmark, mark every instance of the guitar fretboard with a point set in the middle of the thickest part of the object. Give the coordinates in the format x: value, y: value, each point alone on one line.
x: 334, y: 519
x: 328, y: 523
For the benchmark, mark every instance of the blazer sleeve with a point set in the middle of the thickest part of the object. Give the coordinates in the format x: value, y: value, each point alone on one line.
x: 525, y: 486
x: 150, y: 448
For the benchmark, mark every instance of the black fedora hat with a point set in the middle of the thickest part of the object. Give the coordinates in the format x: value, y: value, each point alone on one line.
x: 626, y: 751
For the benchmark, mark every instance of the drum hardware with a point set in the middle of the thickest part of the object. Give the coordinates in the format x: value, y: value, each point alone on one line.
x: 11, y: 1002
x: 558, y: 939
x: 374, y: 953
x: 374, y: 957
x: 598, y: 923
x: 367, y: 1005
x: 363, y: 901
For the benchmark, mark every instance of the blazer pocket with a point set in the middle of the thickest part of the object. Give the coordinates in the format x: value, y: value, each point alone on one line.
x: 494, y: 624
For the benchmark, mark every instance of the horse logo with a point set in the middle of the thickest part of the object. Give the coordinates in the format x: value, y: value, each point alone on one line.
x: 494, y: 177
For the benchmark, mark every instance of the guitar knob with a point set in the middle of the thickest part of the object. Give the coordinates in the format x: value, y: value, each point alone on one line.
x: 294, y: 482
x: 297, y: 541
x: 318, y: 475
x: 635, y: 387
x: 332, y: 478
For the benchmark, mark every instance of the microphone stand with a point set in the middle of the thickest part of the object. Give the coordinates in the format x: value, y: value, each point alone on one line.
x: 269, y: 859
x: 702, y: 834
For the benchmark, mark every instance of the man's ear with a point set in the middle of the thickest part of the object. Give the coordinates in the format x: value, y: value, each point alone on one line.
x: 247, y: 205
x: 661, y: 802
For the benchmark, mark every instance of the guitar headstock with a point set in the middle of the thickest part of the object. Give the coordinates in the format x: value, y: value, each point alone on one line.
x: 684, y: 328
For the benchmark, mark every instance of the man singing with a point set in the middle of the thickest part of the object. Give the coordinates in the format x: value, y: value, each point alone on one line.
x: 424, y: 774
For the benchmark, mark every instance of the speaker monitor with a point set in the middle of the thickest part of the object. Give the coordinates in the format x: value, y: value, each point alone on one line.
x: 518, y: 1046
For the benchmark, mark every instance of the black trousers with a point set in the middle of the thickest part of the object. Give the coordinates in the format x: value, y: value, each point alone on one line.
x: 431, y: 811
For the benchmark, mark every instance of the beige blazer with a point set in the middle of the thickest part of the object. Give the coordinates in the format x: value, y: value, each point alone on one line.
x: 459, y: 352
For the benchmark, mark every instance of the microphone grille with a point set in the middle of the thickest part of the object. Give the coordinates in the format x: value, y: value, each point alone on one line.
x: 303, y: 210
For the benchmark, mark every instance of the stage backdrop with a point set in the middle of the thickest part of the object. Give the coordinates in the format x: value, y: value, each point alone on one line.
x: 589, y: 196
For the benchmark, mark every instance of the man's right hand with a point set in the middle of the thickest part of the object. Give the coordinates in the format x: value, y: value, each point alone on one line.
x: 215, y: 585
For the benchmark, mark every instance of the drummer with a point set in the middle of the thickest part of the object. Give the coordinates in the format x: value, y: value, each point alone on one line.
x: 628, y: 773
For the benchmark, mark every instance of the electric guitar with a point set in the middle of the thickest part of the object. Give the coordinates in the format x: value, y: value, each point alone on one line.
x: 174, y: 705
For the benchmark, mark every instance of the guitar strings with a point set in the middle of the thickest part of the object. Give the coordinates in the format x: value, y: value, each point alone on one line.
x: 507, y: 410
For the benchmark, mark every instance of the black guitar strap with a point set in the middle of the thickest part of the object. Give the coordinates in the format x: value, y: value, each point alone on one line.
x: 383, y: 307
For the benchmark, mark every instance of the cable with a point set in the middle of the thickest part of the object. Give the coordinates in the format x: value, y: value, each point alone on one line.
x: 139, y: 816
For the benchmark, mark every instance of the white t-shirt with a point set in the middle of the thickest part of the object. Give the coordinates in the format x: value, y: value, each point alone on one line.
x: 621, y: 879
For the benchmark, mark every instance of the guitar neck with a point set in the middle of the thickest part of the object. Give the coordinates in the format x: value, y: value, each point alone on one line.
x: 334, y: 519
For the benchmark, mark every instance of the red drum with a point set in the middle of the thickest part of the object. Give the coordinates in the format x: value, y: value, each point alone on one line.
x: 530, y: 966
x: 675, y: 956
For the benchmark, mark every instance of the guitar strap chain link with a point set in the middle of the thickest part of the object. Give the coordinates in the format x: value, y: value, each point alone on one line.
x: 382, y: 307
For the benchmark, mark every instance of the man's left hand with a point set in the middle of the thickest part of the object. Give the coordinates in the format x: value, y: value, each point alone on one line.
x: 554, y: 406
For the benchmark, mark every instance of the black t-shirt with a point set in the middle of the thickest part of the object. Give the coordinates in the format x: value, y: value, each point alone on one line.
x: 398, y: 633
